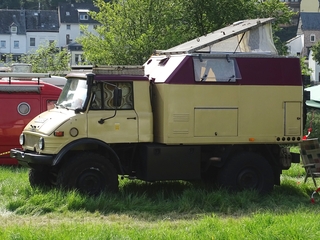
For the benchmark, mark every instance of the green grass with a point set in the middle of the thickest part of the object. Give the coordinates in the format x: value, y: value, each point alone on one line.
x: 167, y: 210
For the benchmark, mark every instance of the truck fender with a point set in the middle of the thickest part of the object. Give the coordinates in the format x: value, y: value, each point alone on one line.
x: 89, y: 141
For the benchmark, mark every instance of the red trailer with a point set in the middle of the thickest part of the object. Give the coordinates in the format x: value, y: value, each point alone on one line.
x: 21, y: 101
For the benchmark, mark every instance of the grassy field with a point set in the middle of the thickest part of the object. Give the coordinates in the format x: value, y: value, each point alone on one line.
x: 167, y: 210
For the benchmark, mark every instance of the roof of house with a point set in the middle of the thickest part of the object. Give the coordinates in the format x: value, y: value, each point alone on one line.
x: 70, y: 13
x: 310, y: 21
x: 28, y: 21
x: 294, y: 38
x: 44, y: 21
x: 9, y: 17
x: 75, y: 46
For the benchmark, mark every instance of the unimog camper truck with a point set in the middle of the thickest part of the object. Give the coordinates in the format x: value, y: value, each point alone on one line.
x: 222, y: 107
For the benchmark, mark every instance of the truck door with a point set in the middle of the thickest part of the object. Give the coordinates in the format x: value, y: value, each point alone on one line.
x: 107, y: 123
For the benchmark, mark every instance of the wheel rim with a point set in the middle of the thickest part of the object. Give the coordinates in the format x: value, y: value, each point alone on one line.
x: 91, y: 181
x: 248, y: 179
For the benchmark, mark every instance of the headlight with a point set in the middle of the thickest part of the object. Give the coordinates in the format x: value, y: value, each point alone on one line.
x: 21, y: 139
x: 41, y: 143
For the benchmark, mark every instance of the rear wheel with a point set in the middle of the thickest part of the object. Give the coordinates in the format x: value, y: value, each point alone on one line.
x: 90, y: 173
x: 247, y: 171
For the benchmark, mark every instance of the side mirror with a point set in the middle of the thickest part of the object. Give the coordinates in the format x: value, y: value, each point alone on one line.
x: 117, y: 97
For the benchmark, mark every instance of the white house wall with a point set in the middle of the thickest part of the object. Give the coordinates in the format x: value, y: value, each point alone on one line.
x: 21, y: 44
x: 7, y: 40
x: 74, y: 32
x: 41, y: 38
x: 295, y: 45
x: 315, y: 69
x: 309, y: 6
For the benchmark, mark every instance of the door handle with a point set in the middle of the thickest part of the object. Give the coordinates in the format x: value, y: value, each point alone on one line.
x: 134, y: 118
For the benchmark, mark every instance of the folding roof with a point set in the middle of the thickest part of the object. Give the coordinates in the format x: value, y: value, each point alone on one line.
x: 217, y: 36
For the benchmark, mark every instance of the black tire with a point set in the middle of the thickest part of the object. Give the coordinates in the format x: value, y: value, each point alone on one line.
x: 39, y: 178
x: 247, y: 171
x: 90, y: 173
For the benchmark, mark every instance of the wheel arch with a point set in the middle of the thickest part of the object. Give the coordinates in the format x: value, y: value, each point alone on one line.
x: 89, y: 144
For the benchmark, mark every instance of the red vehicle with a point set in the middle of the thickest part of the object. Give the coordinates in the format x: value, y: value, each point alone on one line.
x: 21, y: 101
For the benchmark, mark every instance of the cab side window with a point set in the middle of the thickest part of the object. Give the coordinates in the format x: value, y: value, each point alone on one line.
x: 104, y: 96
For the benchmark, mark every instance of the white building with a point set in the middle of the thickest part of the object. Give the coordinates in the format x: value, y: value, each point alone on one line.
x: 42, y: 27
x: 23, y: 31
x: 71, y: 16
x: 12, y: 33
x: 295, y: 45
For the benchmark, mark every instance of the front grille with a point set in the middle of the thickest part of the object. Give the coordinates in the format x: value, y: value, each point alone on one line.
x: 31, y: 140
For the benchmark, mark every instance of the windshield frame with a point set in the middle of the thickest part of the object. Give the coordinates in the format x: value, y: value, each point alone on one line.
x: 75, y: 95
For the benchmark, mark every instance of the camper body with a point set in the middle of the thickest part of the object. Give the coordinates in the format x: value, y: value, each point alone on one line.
x: 189, y: 113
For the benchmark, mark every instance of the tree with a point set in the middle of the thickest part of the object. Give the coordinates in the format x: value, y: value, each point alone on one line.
x: 209, y: 15
x: 316, y: 52
x: 10, y: 4
x: 47, y: 58
x: 131, y: 30
x: 305, y: 70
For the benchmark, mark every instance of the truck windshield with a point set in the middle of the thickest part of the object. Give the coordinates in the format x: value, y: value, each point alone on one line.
x: 74, y: 94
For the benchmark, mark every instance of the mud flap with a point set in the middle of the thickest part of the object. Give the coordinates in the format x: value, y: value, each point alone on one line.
x: 285, y: 158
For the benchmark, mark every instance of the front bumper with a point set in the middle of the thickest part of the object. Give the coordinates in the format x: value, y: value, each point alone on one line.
x: 29, y: 159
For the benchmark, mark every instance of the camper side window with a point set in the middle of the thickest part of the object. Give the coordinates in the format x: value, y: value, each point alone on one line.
x: 103, y: 96
x: 215, y: 70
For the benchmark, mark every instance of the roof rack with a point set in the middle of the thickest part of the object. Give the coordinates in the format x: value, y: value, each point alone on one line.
x: 23, y: 76
x: 119, y: 70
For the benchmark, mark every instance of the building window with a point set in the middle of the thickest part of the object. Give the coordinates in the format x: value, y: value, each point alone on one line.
x: 68, y: 40
x: 15, y: 44
x: 83, y: 17
x: 32, y: 42
x: 312, y: 38
x: 3, y: 44
x: 16, y: 58
x: 78, y: 58
x: 14, y: 29
x: 68, y: 26
x: 67, y: 13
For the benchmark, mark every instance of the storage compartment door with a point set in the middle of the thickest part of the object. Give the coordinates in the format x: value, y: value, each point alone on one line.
x: 293, y: 119
x: 216, y: 122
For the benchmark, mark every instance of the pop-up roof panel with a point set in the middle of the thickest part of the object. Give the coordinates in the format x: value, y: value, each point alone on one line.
x: 205, y: 42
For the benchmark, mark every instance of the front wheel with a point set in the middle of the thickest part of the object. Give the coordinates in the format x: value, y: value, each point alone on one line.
x: 90, y: 173
x: 39, y: 178
x: 247, y: 171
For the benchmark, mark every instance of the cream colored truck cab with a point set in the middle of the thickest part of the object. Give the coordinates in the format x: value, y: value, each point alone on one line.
x: 191, y: 112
